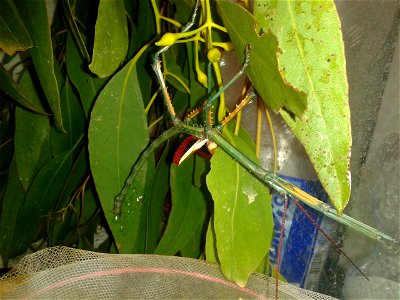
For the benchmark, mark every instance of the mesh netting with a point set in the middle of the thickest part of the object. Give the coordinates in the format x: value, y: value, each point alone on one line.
x: 62, y: 272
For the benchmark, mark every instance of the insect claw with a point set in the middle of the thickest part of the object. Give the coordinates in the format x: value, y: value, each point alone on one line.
x: 196, y: 146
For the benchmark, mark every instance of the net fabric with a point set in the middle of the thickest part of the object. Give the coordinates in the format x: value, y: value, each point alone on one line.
x: 61, y: 272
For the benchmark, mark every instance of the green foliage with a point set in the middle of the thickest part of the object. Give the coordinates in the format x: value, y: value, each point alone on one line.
x: 15, y: 38
x: 242, y: 200
x: 36, y: 21
x: 187, y: 201
x: 263, y: 67
x: 111, y: 39
x: 86, y: 107
x: 116, y: 139
x: 313, y: 61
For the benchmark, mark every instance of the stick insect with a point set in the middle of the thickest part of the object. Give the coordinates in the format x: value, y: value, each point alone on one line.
x: 212, y: 134
x: 209, y: 133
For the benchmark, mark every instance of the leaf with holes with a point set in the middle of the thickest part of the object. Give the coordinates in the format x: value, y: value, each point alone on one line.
x: 263, y: 69
x: 313, y: 60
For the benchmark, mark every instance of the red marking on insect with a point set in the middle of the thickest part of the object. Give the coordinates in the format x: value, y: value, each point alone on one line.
x: 183, y: 148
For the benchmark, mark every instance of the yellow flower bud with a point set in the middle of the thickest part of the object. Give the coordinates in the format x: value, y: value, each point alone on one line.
x: 228, y: 46
x: 202, y: 78
x: 167, y: 39
x: 214, y: 55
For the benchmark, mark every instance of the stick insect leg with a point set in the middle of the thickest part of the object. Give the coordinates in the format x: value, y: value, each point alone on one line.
x: 278, y: 262
x: 208, y: 111
x: 233, y: 80
x: 333, y: 243
x: 119, y: 199
x: 157, y: 68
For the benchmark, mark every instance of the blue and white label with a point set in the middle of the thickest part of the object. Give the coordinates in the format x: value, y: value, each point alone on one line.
x: 299, y: 236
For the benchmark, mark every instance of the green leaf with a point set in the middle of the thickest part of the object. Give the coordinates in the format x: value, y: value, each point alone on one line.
x: 138, y: 205
x: 14, y: 36
x: 146, y: 27
x: 173, y: 69
x: 184, y: 11
x: 264, y: 71
x: 74, y: 121
x: 87, y: 85
x: 117, y: 136
x: 71, y: 17
x: 34, y: 14
x: 9, y: 86
x: 211, y: 245
x: 195, y: 245
x: 89, y: 220
x: 197, y: 91
x: 111, y: 38
x: 145, y: 31
x: 32, y: 136
x: 155, y: 205
x: 76, y: 177
x: 188, y: 210
x: 41, y: 197
x: 313, y: 60
x: 10, y: 206
x: 242, y: 213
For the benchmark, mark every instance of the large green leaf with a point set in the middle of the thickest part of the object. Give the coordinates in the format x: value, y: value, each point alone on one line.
x: 10, y: 205
x: 9, y: 86
x: 34, y: 14
x: 312, y: 59
x: 264, y: 71
x: 117, y: 136
x: 111, y: 38
x: 87, y: 85
x: 188, y: 209
x: 32, y: 136
x: 242, y: 213
x: 13, y: 34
